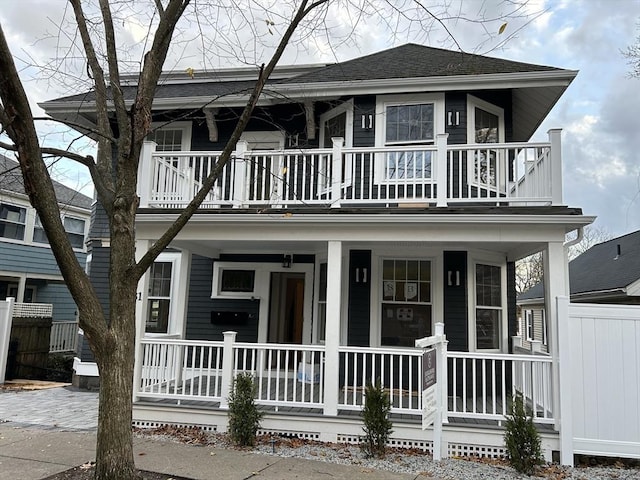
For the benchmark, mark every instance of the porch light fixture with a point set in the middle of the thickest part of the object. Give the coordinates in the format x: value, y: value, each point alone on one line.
x: 287, y: 260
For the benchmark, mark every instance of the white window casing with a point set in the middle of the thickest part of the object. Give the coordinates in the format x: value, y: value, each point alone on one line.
x: 414, y: 164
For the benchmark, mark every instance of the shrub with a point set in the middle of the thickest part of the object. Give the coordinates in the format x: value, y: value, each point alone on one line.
x: 375, y: 415
x: 244, y: 417
x: 521, y: 438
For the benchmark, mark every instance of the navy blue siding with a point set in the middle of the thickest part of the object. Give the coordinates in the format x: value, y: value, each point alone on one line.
x: 199, y: 312
x: 512, y: 315
x: 16, y: 257
x: 64, y: 308
x: 359, y: 298
x: 455, y: 301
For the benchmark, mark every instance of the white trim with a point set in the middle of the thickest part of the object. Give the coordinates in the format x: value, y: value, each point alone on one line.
x: 558, y: 78
x: 346, y: 107
x: 176, y: 320
x: 185, y: 126
x: 384, y: 101
x: 475, y: 260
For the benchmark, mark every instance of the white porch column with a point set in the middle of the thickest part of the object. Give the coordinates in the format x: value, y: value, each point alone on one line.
x: 555, y: 138
x: 566, y: 400
x: 145, y: 172
x: 332, y: 335
x: 6, y: 319
x: 336, y: 171
x: 556, y: 284
x: 441, y: 169
x: 227, y: 368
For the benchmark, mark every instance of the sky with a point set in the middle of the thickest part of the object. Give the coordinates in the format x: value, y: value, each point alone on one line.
x: 599, y: 112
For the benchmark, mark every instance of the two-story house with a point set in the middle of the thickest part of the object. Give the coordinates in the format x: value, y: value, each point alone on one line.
x: 366, y: 201
x: 28, y: 269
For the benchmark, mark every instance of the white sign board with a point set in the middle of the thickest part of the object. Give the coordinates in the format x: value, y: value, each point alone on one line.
x: 429, y: 401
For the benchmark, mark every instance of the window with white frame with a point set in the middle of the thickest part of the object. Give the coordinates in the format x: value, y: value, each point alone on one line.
x: 159, y: 299
x: 335, y: 123
x: 408, y: 121
x: 488, y: 305
x: 171, y: 137
x: 528, y: 324
x: 13, y: 220
x: 75, y: 228
x: 406, y: 307
x: 486, y: 125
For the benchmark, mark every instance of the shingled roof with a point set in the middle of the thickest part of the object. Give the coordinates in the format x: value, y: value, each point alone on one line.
x: 415, y: 61
x: 11, y: 181
x: 406, y: 61
x: 608, y: 266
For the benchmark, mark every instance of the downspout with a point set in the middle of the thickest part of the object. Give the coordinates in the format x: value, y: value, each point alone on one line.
x: 576, y: 240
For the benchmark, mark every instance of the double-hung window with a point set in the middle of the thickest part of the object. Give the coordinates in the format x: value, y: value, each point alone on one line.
x: 159, y: 300
x: 12, y: 221
x: 172, y: 137
x: 73, y: 226
x: 406, y: 301
x: 488, y: 325
x: 409, y: 122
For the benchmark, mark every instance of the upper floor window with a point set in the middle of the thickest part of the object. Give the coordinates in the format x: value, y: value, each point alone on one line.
x: 73, y: 226
x: 12, y: 221
x: 486, y: 125
x: 408, y: 121
x: 171, y: 137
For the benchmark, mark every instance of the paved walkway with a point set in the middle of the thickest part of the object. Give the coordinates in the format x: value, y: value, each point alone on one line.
x: 48, y: 431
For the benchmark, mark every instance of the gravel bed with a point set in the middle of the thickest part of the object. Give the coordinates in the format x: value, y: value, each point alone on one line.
x: 405, y: 461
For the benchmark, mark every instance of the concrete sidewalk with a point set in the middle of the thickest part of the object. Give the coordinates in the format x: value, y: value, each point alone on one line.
x: 50, y: 431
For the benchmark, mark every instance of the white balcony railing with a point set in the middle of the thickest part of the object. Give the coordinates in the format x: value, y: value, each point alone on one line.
x: 440, y: 174
x: 64, y: 337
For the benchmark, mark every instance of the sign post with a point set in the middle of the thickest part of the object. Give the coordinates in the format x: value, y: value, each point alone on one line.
x: 434, y: 385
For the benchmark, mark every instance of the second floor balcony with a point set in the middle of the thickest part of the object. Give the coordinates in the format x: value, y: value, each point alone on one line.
x: 442, y: 174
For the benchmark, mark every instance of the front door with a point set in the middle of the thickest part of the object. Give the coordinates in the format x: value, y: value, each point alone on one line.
x: 286, y: 316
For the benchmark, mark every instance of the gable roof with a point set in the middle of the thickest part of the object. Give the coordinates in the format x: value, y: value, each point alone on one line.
x: 11, y: 181
x: 606, y: 267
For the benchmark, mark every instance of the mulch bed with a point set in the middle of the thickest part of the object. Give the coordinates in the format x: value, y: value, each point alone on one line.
x: 87, y: 472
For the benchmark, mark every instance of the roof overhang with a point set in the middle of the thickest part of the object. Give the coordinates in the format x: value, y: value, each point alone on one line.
x: 535, y: 93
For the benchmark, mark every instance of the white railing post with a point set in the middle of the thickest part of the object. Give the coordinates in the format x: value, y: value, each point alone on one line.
x: 145, y: 172
x: 227, y: 368
x: 6, y: 318
x: 441, y: 169
x: 336, y: 171
x: 332, y: 335
x: 439, y: 446
x: 555, y: 157
x: 240, y: 178
x: 565, y: 373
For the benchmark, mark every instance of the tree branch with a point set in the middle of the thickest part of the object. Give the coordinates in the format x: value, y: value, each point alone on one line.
x: 145, y: 262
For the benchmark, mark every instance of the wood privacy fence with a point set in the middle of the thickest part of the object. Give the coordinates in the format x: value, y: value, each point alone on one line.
x: 600, y: 370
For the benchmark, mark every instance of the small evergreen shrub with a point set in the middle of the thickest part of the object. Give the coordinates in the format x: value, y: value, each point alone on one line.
x: 244, y: 417
x: 521, y: 438
x: 375, y: 415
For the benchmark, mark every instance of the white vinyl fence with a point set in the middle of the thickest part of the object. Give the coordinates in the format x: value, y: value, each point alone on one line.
x: 6, y: 309
x: 601, y: 371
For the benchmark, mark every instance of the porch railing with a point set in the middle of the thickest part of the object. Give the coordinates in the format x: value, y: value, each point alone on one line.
x: 440, y: 174
x: 480, y: 386
x: 64, y: 337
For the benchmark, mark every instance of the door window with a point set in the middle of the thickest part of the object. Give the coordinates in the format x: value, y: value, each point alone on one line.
x: 159, y: 300
x: 488, y: 307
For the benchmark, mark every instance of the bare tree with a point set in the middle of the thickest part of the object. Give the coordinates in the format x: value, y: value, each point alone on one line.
x: 632, y: 54
x: 120, y: 132
x: 530, y: 270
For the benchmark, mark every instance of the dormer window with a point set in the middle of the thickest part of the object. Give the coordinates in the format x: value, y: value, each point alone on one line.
x: 12, y: 221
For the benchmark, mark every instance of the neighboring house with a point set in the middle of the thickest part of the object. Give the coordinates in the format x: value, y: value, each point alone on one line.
x: 606, y: 273
x: 366, y: 201
x: 28, y: 269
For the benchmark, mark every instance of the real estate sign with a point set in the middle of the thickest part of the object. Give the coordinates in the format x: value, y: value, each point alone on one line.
x: 429, y: 380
